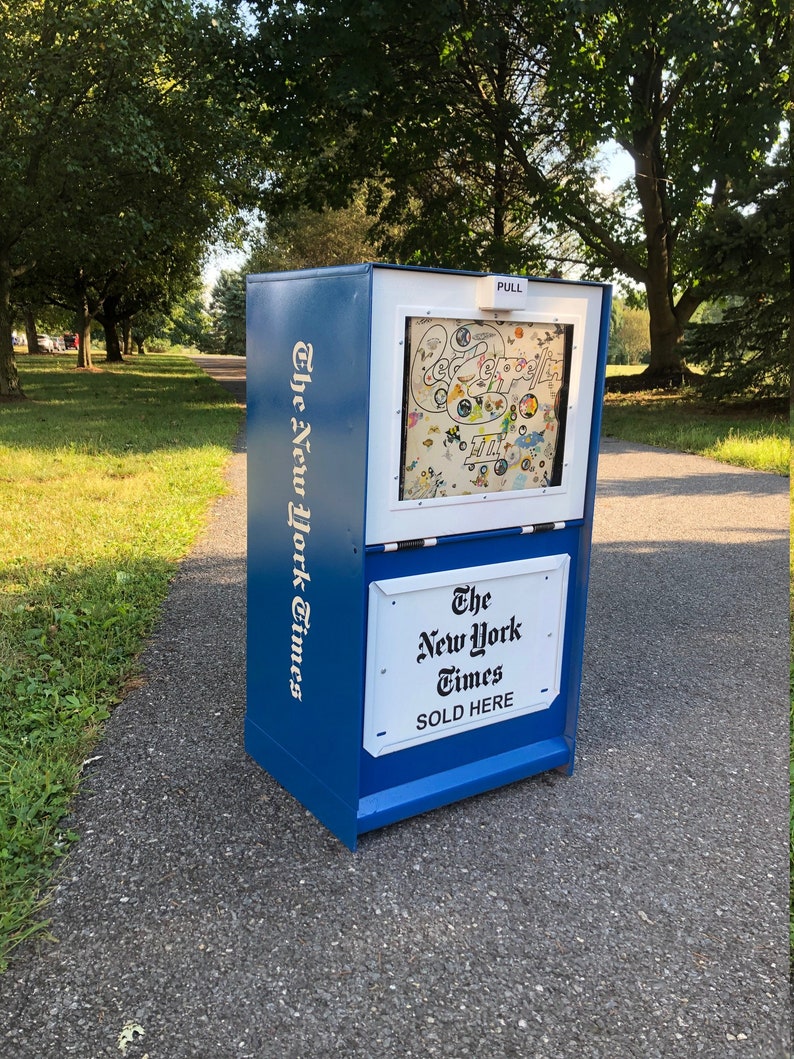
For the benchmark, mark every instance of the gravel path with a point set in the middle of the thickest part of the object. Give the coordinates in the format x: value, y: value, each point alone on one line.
x: 637, y: 908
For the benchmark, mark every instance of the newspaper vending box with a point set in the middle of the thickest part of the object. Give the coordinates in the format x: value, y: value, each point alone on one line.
x: 422, y: 451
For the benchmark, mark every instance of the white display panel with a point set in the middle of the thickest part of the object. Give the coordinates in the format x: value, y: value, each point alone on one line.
x: 496, y: 480
x: 459, y: 649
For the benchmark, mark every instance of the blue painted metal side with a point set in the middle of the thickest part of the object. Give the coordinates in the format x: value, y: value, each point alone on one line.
x: 576, y: 645
x: 308, y: 343
x: 462, y: 781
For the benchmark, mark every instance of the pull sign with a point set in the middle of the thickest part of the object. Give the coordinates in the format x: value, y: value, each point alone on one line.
x: 502, y: 292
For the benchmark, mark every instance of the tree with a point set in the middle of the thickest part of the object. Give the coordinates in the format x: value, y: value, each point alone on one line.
x: 189, y: 323
x: 515, y: 102
x: 178, y: 176
x: 628, y: 334
x: 32, y: 109
x: 414, y: 102
x: 694, y: 95
x: 227, y: 312
x: 745, y: 347
x: 305, y: 238
x: 122, y: 144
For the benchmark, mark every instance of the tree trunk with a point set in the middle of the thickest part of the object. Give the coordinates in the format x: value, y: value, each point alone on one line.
x: 109, y: 319
x: 667, y: 323
x: 30, y: 332
x: 667, y: 318
x: 126, y: 331
x: 666, y: 361
x: 10, y: 388
x: 83, y: 326
x: 86, y: 312
x: 84, y: 355
x: 112, y: 344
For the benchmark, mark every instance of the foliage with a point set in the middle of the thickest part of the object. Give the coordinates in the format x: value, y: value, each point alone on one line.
x: 695, y: 97
x: 485, y: 122
x: 305, y: 238
x: 629, y: 338
x: 227, y: 313
x: 299, y: 238
x: 746, y: 348
x: 415, y: 102
x: 77, y: 605
x: 189, y: 323
x: 120, y: 123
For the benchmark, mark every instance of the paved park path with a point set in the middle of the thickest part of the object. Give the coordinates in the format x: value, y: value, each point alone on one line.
x: 635, y: 909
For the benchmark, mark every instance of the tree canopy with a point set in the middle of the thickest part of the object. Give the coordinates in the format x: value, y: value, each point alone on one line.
x: 124, y: 152
x: 466, y: 134
x: 745, y: 347
x: 485, y: 122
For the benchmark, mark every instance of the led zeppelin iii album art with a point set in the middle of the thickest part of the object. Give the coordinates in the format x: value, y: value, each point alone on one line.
x: 484, y: 406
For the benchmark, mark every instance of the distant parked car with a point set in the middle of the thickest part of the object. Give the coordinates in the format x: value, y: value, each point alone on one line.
x: 71, y: 341
x: 45, y: 344
x: 58, y: 343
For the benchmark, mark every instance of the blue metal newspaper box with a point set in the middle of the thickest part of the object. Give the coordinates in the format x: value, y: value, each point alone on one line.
x: 422, y: 451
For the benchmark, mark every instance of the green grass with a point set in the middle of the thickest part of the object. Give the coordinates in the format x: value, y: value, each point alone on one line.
x: 105, y: 481
x: 734, y: 433
x: 625, y: 369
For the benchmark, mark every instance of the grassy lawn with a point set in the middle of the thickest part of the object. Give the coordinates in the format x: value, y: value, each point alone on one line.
x: 105, y: 483
x: 731, y: 432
